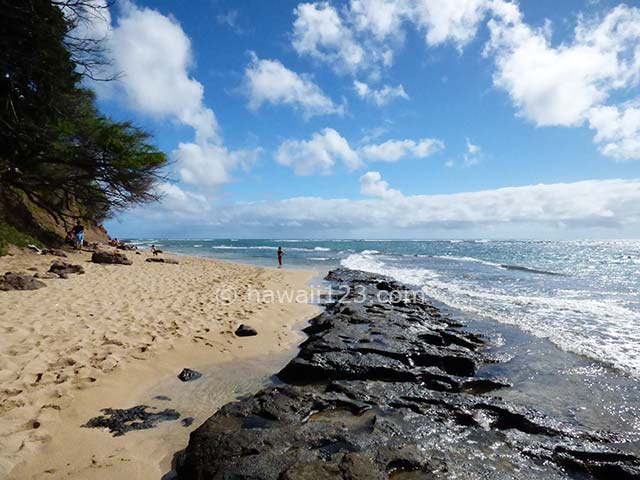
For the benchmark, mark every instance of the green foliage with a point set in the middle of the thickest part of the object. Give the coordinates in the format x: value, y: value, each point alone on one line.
x: 55, y: 147
x: 11, y: 236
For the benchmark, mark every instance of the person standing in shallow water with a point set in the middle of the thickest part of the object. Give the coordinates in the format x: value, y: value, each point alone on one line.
x: 280, y: 254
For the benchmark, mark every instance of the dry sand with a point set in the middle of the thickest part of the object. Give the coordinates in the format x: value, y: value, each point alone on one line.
x: 116, y: 337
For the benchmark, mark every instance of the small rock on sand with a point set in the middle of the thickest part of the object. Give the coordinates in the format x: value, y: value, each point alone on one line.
x: 187, y: 375
x: 65, y: 268
x: 245, y: 331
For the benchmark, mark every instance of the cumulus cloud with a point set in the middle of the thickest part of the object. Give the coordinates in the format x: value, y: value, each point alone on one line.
x: 394, y: 150
x: 327, y: 147
x: 153, y: 56
x: 380, y: 96
x: 592, y: 203
x: 268, y: 81
x: 618, y: 131
x: 371, y: 183
x: 209, y: 165
x: 572, y: 83
x: 584, y: 80
x: 179, y: 202
x: 318, y: 31
x: 453, y: 21
x: 341, y: 38
x: 317, y: 155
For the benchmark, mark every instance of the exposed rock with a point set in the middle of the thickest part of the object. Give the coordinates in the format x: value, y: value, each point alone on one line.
x: 187, y: 375
x: 162, y: 260
x: 19, y: 281
x: 102, y: 256
x: 64, y: 268
x: 120, y: 422
x: 245, y: 331
x: 33, y: 269
x: 388, y: 389
x: 47, y: 275
x: 187, y: 421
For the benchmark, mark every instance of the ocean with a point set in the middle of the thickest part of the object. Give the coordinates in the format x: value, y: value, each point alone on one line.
x: 583, y: 296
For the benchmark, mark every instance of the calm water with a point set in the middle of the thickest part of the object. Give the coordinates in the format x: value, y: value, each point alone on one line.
x: 584, y: 296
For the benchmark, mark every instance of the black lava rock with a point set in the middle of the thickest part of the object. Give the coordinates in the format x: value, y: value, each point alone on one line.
x: 386, y: 387
x: 245, y: 331
x: 187, y: 375
x: 139, y: 417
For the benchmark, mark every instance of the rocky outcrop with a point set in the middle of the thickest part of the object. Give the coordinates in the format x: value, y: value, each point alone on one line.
x: 102, y: 256
x: 62, y: 269
x: 245, y: 331
x: 386, y: 386
x: 19, y: 281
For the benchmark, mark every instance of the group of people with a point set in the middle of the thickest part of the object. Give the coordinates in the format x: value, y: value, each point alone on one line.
x: 114, y: 242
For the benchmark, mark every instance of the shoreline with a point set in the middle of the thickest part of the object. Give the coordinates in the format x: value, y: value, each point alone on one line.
x: 395, y: 388
x: 40, y: 426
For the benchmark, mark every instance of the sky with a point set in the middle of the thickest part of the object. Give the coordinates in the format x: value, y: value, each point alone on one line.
x: 381, y: 118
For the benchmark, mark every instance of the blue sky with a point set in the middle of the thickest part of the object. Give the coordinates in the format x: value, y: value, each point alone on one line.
x: 382, y: 118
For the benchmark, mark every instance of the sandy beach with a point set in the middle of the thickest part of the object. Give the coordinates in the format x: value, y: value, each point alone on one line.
x: 116, y: 337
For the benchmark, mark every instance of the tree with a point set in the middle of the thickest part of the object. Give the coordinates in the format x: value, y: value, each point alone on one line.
x: 55, y: 147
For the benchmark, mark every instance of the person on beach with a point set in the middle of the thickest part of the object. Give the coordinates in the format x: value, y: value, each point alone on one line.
x: 280, y: 254
x: 154, y: 250
x: 78, y: 232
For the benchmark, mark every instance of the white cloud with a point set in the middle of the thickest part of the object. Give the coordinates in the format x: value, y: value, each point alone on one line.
x: 210, y: 165
x: 153, y: 56
x: 371, y: 183
x: 592, y: 203
x: 571, y: 83
x: 363, y: 35
x: 318, y: 31
x: 153, y: 59
x: 618, y: 131
x: 327, y: 147
x: 381, y: 18
x: 380, y: 96
x: 394, y: 150
x: 179, y: 202
x: 473, y: 154
x: 317, y: 155
x: 268, y: 81
x: 453, y: 21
